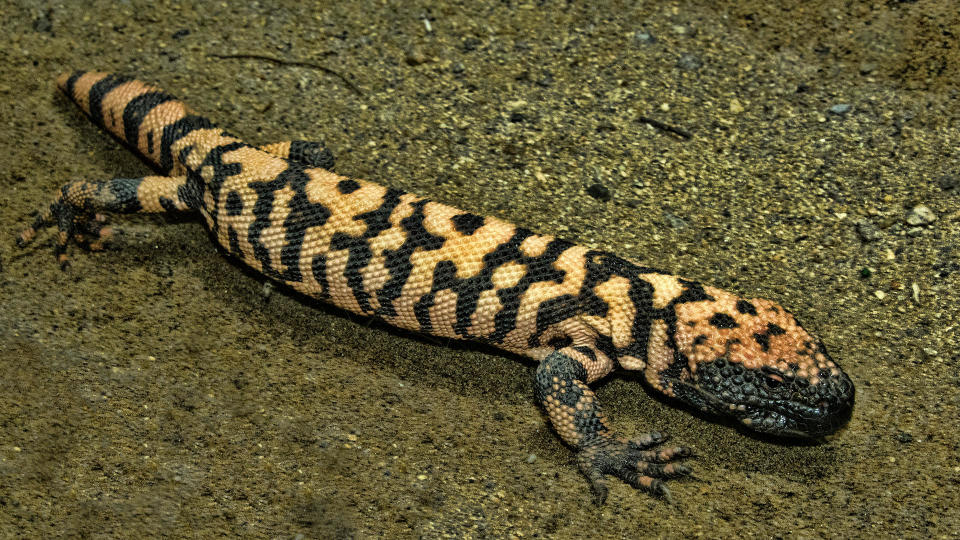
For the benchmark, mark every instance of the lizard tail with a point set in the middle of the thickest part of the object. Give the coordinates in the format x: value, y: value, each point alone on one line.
x: 142, y: 116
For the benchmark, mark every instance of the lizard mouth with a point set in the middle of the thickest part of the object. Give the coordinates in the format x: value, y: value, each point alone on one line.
x: 781, y: 406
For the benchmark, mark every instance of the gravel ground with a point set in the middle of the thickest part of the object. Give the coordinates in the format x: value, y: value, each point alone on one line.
x: 801, y: 151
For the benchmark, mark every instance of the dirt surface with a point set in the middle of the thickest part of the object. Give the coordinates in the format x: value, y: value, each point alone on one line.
x: 158, y: 388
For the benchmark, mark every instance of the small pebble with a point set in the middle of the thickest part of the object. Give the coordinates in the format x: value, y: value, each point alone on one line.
x: 920, y: 215
x: 841, y: 108
x: 904, y: 437
x: 689, y: 62
x: 674, y: 221
x: 531, y: 458
x: 470, y: 44
x: 415, y: 57
x: 868, y: 231
x: 642, y: 36
x: 599, y: 192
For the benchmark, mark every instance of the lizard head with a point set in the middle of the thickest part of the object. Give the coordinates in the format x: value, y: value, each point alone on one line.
x: 750, y: 360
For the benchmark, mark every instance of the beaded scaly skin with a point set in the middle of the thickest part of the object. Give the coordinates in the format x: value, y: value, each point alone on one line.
x: 428, y: 267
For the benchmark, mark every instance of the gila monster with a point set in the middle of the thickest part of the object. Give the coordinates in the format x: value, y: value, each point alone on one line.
x: 424, y: 266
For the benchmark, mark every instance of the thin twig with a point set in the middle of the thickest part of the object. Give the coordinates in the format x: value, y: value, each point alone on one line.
x: 282, y: 62
x: 680, y: 132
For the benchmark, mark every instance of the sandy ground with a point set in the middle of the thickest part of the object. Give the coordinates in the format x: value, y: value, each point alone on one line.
x: 158, y: 388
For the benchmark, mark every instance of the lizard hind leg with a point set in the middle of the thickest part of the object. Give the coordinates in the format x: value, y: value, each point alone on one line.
x: 576, y: 415
x: 309, y: 153
x: 80, y: 209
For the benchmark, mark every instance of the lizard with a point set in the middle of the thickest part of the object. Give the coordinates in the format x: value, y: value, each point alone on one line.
x: 421, y: 265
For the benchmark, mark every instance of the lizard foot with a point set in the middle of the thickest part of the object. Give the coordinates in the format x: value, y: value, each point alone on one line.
x: 74, y: 223
x: 637, y: 462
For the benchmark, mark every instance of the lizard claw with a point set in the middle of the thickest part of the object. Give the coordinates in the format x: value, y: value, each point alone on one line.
x: 637, y: 462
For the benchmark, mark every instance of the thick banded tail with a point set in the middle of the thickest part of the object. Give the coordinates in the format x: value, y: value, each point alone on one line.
x: 143, y: 116
x: 152, y: 123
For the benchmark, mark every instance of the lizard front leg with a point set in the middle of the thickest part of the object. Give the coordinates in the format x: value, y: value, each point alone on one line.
x: 576, y: 415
